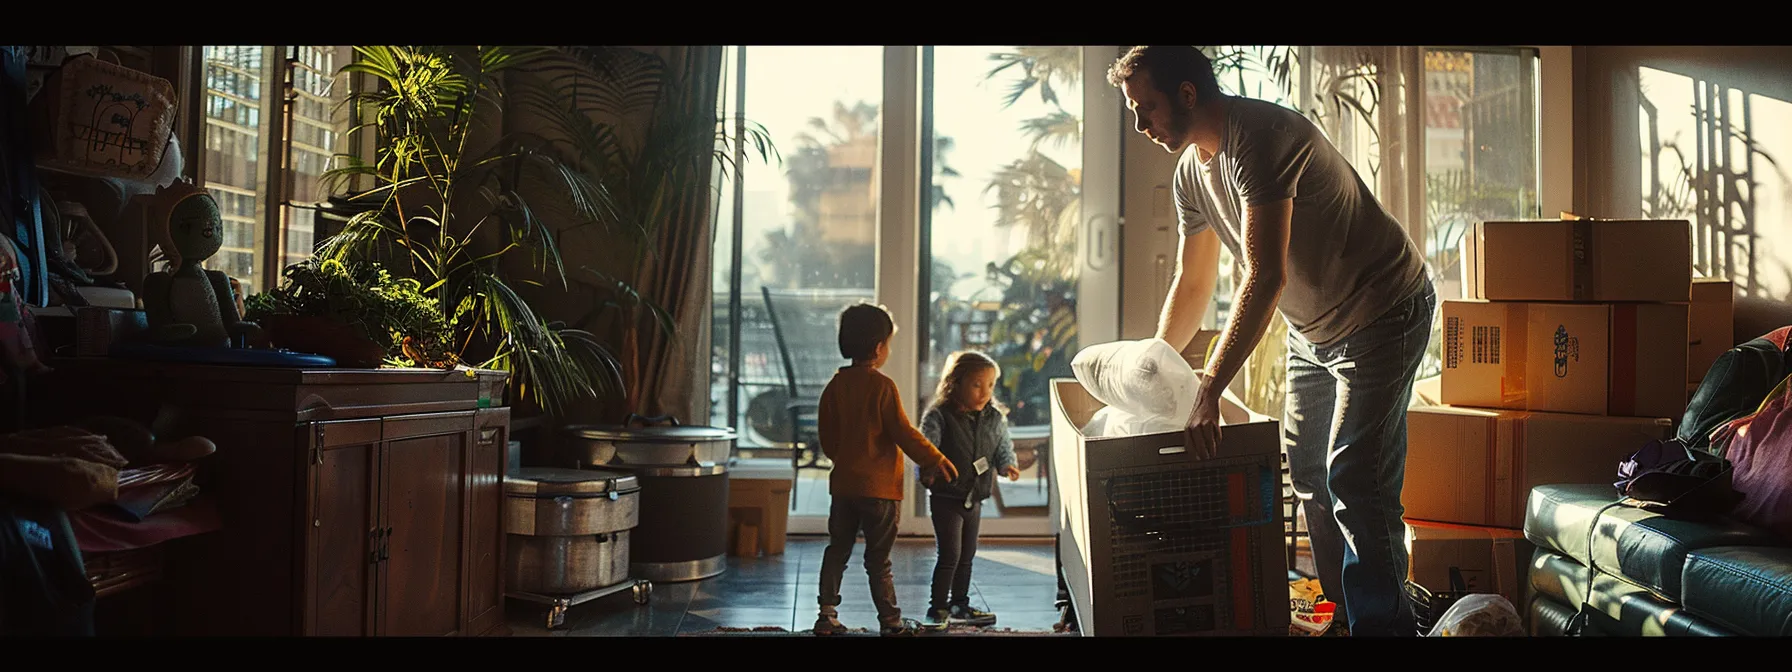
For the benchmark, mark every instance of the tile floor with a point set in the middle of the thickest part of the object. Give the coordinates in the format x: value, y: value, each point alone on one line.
x: 1015, y: 579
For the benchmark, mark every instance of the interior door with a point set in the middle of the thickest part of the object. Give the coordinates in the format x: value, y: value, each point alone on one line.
x: 342, y: 549
x: 424, y: 490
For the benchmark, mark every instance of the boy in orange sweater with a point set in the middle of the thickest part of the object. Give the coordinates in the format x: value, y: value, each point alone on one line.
x: 863, y: 429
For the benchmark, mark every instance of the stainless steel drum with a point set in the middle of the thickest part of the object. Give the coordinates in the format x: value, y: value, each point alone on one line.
x: 683, y: 472
x: 569, y: 528
x: 611, y: 447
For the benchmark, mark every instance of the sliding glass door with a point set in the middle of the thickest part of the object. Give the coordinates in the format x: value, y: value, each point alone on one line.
x: 1018, y: 236
x: 969, y: 162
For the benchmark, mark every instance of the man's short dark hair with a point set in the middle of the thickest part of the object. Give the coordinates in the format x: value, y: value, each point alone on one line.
x: 1169, y: 67
x: 862, y: 327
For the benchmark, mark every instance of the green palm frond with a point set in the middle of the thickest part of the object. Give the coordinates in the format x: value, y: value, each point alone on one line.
x: 1059, y: 128
x: 437, y: 183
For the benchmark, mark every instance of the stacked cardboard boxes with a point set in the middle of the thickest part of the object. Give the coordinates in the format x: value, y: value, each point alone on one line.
x: 1568, y: 354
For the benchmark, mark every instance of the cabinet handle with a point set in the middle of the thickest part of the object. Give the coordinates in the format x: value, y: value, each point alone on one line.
x: 488, y: 435
x: 386, y: 545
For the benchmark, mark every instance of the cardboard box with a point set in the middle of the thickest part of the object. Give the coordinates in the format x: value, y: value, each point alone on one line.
x: 1470, y: 466
x: 1711, y: 328
x: 1600, y: 359
x: 1153, y: 541
x: 1486, y: 559
x: 1578, y: 260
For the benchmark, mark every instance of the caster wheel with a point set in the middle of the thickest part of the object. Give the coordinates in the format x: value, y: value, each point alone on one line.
x: 556, y: 616
x: 643, y: 591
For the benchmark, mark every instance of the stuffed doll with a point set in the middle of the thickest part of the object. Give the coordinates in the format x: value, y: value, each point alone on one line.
x: 189, y: 305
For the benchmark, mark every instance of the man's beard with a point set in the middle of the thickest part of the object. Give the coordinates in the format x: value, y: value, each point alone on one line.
x: 1181, y: 119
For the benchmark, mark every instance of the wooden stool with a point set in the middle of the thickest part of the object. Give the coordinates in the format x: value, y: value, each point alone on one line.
x: 758, y: 508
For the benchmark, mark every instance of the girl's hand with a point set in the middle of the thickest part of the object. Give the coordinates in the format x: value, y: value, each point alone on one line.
x: 1012, y: 472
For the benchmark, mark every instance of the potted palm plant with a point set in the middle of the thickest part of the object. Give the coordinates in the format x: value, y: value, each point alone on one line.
x: 474, y: 212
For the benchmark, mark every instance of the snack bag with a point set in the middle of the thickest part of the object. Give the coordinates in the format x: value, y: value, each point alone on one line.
x: 1311, y: 612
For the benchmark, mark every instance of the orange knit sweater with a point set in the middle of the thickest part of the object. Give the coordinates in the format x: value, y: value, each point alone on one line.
x: 864, y: 430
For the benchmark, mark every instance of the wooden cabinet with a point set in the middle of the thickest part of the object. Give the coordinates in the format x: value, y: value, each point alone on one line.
x: 355, y: 502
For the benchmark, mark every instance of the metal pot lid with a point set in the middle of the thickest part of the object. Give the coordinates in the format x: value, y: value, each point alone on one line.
x: 543, y: 481
x: 660, y: 434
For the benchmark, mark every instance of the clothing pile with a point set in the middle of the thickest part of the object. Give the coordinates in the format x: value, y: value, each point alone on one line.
x: 1146, y: 385
x: 1741, y: 418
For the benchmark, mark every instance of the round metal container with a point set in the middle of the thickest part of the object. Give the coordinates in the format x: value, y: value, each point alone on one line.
x: 561, y: 502
x: 599, y: 446
x: 570, y: 564
x: 683, y: 534
x: 683, y: 471
x: 568, y: 528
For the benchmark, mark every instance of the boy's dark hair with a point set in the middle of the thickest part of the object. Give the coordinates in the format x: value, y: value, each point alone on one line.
x: 862, y: 327
x: 1169, y: 68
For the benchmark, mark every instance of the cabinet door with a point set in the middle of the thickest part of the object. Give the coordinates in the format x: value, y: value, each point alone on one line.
x: 485, y: 521
x: 423, y: 501
x: 343, y: 527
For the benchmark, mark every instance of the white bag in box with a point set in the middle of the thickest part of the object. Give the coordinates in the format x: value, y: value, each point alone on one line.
x: 1145, y: 378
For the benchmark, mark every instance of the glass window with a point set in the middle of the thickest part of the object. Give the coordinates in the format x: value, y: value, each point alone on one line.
x: 806, y: 232
x: 1003, y: 214
x: 242, y: 82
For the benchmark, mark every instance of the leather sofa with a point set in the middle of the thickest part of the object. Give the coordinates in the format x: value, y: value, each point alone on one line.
x: 1651, y: 576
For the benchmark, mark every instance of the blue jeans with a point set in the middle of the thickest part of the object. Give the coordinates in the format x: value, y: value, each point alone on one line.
x: 1345, y: 432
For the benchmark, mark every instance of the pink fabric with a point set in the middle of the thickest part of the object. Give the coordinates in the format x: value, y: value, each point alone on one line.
x: 1762, y: 455
x: 102, y: 529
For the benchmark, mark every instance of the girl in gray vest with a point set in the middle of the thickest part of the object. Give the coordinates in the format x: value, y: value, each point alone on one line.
x: 966, y: 423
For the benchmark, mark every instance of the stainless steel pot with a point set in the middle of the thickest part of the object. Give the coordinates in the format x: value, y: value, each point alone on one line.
x: 561, y: 502
x: 673, y: 444
x: 568, y: 528
x: 570, y: 564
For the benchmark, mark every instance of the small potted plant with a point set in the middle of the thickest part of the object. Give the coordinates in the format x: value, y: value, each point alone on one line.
x: 355, y: 313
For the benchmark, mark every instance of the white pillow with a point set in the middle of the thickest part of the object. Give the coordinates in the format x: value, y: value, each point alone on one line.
x: 1146, y: 378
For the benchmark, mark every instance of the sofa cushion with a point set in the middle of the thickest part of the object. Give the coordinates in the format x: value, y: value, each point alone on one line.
x: 1642, y: 547
x: 1549, y: 618
x: 1620, y: 608
x: 1746, y: 589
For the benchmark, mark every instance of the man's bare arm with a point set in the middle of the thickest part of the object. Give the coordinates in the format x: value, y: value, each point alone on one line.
x: 1265, y: 258
x: 1191, y: 290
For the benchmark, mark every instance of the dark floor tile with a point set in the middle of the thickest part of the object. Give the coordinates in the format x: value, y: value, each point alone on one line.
x: 698, y: 620
x: 1020, y: 599
x: 781, y: 568
x: 991, y: 577
x: 638, y: 622
x: 716, y: 594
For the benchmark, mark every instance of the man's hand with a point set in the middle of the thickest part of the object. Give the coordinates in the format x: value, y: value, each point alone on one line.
x: 1202, y: 435
x: 1012, y: 472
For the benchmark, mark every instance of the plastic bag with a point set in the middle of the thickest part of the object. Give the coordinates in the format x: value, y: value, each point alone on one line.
x: 1098, y: 423
x: 1110, y: 422
x: 1479, y: 615
x: 1311, y: 612
x: 1145, y: 378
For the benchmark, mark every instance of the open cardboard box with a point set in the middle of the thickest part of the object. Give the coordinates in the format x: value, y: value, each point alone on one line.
x: 1242, y: 581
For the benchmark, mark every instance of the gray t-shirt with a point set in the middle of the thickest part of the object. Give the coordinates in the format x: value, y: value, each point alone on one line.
x: 1349, y: 261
